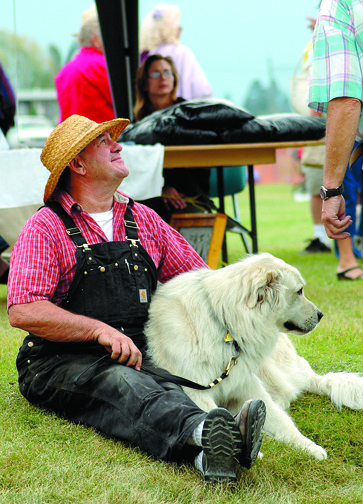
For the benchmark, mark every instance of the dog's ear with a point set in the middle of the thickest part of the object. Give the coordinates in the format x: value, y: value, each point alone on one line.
x: 262, y: 287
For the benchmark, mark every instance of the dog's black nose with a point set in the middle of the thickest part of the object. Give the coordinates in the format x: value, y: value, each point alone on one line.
x: 320, y: 315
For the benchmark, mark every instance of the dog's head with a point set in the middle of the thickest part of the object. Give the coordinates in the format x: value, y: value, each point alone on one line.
x: 279, y: 287
x: 273, y: 290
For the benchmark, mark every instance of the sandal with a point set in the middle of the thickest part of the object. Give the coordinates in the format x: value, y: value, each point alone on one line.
x: 342, y: 275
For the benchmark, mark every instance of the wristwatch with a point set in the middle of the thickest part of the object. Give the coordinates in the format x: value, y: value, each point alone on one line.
x: 328, y: 193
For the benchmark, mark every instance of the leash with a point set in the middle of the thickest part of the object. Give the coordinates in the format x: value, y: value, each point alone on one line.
x: 178, y: 380
x: 93, y: 367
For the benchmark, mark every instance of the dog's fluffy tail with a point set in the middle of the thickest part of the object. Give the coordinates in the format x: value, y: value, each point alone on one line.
x: 344, y: 389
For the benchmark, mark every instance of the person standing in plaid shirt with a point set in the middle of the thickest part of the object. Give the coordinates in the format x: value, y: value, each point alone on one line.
x: 81, y: 279
x: 337, y: 89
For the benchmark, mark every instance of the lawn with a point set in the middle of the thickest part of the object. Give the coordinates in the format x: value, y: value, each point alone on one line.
x: 44, y: 459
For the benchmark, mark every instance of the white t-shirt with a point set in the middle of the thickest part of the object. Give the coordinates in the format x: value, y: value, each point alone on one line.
x: 105, y: 221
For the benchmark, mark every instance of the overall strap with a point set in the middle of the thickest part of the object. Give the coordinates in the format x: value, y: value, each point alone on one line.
x: 132, y: 236
x: 72, y: 230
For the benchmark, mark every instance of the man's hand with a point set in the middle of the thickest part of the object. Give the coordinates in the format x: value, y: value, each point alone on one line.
x: 45, y: 319
x: 120, y: 346
x: 341, y: 127
x: 334, y: 218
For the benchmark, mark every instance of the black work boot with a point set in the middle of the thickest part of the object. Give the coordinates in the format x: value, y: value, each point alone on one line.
x: 250, y: 421
x: 222, y: 445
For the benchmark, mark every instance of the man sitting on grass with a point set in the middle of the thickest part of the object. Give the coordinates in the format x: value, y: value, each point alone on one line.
x: 81, y: 278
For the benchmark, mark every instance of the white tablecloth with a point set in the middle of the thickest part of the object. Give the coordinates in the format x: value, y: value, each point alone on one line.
x: 145, y: 163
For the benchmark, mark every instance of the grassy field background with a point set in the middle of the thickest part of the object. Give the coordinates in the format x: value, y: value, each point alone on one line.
x: 44, y: 459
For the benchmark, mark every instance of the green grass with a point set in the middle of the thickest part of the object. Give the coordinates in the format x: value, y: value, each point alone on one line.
x: 44, y: 459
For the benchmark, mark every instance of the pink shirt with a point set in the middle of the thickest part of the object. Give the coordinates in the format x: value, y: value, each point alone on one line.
x: 43, y: 260
x: 83, y: 87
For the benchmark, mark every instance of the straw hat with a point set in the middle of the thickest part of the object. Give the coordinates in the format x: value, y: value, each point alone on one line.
x: 68, y: 139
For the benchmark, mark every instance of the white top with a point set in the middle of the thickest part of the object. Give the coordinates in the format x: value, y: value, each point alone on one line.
x: 105, y: 221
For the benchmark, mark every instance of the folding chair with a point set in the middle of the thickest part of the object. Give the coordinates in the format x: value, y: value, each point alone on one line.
x: 234, y: 182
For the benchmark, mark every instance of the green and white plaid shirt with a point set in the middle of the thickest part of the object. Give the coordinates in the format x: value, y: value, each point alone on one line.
x: 338, y: 55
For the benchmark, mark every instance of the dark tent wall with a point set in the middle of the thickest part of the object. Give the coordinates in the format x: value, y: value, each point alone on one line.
x: 120, y: 32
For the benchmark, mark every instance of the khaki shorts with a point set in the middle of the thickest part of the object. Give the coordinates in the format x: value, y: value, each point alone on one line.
x: 313, y: 179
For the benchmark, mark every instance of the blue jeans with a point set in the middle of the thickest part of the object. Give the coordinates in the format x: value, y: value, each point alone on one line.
x: 352, y: 188
x: 353, y: 183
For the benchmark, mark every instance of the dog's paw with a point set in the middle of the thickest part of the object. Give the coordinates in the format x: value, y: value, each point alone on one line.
x: 317, y: 451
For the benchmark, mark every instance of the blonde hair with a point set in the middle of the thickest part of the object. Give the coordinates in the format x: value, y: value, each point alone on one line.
x: 160, y: 26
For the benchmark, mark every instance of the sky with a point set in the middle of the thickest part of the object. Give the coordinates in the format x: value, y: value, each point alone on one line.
x: 235, y: 41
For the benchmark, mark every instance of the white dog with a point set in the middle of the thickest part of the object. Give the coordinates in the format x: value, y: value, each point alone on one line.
x: 201, y: 320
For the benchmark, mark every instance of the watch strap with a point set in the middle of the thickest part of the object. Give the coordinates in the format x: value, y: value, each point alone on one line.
x: 329, y: 193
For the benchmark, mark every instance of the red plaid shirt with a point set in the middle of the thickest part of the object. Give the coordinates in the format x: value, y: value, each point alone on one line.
x: 43, y: 260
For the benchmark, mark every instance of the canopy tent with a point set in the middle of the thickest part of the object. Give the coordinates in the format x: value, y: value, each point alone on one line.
x: 119, y: 29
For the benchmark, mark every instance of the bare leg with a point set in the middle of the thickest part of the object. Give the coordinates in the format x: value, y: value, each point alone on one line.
x: 347, y: 259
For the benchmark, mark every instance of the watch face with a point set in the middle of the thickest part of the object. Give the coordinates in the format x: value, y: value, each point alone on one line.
x: 322, y: 192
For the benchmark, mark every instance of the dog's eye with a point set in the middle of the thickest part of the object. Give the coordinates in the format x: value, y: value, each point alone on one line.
x: 300, y: 291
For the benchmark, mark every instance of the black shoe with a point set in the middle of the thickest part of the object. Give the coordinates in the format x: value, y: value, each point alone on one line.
x: 222, y: 445
x: 315, y: 246
x: 250, y: 421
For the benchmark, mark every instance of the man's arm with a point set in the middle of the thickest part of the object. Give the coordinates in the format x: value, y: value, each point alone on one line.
x: 45, y: 319
x: 342, y: 124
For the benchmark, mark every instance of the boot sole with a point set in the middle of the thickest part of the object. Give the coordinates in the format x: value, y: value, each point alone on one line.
x: 222, y: 444
x: 253, y: 438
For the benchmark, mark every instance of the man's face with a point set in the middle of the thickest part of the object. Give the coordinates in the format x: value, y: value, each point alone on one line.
x: 103, y: 161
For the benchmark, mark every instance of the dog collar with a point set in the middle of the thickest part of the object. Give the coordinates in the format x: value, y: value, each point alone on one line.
x: 230, y: 339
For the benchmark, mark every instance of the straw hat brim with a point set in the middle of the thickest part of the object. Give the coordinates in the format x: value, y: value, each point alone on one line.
x: 68, y: 139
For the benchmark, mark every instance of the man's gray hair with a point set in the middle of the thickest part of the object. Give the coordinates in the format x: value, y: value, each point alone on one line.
x: 89, y: 27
